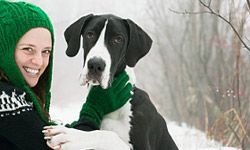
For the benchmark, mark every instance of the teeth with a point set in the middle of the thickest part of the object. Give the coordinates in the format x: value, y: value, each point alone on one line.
x: 31, y: 71
x: 94, y: 82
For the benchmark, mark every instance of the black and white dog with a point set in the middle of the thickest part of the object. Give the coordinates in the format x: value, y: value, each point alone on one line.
x: 110, y: 45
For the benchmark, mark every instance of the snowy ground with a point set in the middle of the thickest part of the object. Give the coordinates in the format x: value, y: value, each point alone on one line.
x: 186, y: 138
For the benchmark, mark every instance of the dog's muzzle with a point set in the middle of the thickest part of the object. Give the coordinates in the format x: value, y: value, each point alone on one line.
x: 96, y: 66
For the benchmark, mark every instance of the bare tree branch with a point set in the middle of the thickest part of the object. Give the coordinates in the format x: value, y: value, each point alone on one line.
x: 248, y: 4
x: 228, y: 22
x: 209, y: 3
x: 189, y: 13
x: 211, y: 11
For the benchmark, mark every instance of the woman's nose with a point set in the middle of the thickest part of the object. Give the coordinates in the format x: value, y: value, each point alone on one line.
x: 37, y: 59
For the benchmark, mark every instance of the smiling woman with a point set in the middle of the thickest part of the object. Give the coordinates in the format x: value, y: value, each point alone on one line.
x: 32, y: 54
x: 26, y: 56
x: 27, y: 39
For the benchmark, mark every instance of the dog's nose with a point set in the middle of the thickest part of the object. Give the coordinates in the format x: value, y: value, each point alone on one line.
x: 96, y: 65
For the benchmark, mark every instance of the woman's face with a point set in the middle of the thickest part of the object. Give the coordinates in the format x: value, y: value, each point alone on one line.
x: 32, y: 54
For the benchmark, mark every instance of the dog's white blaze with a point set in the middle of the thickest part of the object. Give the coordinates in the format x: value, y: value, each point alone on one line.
x: 119, y: 122
x: 99, y: 51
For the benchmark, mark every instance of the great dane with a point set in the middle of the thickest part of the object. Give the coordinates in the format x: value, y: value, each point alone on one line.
x: 112, y: 44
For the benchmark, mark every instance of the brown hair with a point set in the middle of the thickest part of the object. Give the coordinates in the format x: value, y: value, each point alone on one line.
x: 40, y: 92
x: 2, y: 76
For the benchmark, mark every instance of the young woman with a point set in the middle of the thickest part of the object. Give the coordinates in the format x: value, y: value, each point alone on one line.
x: 26, y: 55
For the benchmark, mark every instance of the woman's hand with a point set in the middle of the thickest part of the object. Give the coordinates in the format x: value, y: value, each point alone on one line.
x: 63, y: 138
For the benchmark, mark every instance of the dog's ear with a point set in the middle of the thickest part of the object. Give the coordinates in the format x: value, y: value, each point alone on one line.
x: 72, y: 35
x: 139, y: 43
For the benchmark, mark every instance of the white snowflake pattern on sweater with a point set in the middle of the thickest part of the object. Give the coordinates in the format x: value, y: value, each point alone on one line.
x: 14, y: 104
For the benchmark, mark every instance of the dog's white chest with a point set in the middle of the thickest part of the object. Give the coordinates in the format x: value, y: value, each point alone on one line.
x: 119, y: 122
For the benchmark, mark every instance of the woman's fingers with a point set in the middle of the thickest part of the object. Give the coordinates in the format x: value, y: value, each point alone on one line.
x: 56, y: 147
x: 55, y: 136
x: 56, y: 142
x: 53, y: 130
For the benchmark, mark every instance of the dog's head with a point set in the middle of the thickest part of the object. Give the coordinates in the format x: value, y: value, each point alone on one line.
x: 109, y: 43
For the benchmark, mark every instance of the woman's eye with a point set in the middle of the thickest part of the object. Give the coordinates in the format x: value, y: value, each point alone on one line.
x: 90, y: 35
x: 29, y: 49
x: 46, y: 52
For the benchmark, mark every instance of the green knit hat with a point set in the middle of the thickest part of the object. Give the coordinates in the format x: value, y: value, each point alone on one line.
x: 17, y: 18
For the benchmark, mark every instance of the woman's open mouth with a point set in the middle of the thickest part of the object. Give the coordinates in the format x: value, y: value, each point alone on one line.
x: 31, y: 71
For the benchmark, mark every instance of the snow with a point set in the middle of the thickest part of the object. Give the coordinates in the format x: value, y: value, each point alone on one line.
x: 186, y: 138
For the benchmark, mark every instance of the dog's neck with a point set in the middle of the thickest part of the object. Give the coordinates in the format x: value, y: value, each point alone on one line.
x: 131, y: 74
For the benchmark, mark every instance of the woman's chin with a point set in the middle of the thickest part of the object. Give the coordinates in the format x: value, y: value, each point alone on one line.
x: 32, y: 82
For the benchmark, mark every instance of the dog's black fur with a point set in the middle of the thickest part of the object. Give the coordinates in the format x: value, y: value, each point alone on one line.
x: 126, y: 43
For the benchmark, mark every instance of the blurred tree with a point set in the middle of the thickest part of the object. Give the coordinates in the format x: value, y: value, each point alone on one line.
x: 206, y: 65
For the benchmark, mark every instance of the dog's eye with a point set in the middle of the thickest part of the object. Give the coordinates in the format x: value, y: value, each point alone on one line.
x: 90, y: 35
x: 117, y: 40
